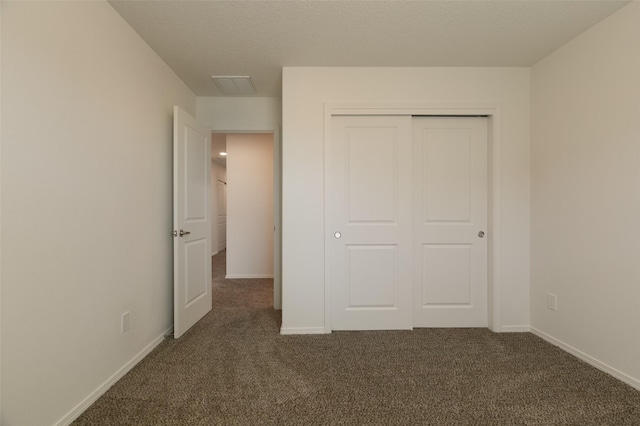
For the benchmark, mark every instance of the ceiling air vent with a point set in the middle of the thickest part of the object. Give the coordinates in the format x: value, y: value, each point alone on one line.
x: 234, y: 85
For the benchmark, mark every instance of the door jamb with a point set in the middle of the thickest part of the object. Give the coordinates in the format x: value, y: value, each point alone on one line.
x: 494, y: 173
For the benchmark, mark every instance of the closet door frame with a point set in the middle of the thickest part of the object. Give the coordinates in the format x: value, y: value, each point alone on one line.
x: 492, y: 112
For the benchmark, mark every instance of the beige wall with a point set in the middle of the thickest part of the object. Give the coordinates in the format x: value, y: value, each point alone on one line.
x: 586, y: 194
x: 305, y: 91
x: 86, y: 203
x: 239, y: 114
x: 250, y: 205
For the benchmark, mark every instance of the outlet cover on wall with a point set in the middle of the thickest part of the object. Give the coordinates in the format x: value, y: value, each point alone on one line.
x: 552, y: 301
x: 125, y: 322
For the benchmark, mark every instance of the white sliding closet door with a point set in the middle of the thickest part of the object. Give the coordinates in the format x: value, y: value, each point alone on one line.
x: 407, y: 217
x: 450, y: 222
x: 370, y: 217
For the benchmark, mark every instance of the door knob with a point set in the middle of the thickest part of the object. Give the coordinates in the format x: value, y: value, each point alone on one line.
x: 182, y: 233
x: 481, y: 234
x: 337, y: 235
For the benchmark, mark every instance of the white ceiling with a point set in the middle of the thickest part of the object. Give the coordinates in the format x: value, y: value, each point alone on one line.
x: 198, y: 39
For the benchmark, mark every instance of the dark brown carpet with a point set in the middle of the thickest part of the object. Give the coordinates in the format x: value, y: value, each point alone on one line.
x: 233, y: 368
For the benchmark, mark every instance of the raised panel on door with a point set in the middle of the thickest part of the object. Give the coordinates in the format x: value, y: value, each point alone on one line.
x: 450, y: 209
x: 370, y: 228
x: 195, y: 258
x: 371, y: 277
x: 446, y: 180
x: 371, y: 175
x: 446, y: 277
x: 194, y: 179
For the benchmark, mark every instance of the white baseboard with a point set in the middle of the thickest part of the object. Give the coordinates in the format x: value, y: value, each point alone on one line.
x: 247, y: 276
x: 631, y: 381
x: 515, y: 329
x: 93, y: 397
x: 302, y: 330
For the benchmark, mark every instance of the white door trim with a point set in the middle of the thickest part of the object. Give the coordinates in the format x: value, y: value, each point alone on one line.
x: 493, y: 114
x: 277, y: 203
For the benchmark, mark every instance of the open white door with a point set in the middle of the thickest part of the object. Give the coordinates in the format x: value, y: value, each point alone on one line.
x: 191, y: 222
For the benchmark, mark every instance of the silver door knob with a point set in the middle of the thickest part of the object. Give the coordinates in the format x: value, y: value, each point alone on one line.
x: 182, y: 233
x: 337, y: 235
x: 481, y: 234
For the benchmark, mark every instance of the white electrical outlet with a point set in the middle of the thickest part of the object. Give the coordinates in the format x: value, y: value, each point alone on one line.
x: 125, y: 322
x: 552, y: 301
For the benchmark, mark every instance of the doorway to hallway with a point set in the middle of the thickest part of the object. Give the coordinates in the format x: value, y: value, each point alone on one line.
x: 246, y: 204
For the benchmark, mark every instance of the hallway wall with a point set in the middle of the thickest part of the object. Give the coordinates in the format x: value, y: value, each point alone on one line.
x: 250, y: 205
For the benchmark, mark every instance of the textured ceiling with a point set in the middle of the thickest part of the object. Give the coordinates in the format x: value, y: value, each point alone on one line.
x: 198, y: 39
